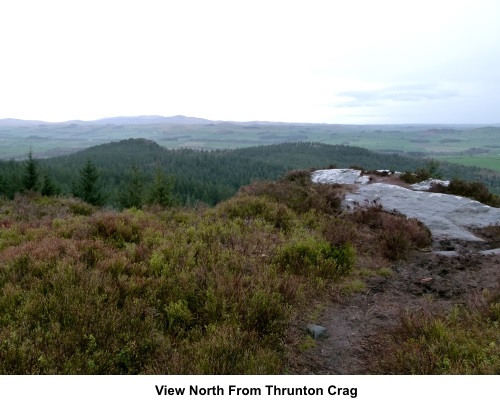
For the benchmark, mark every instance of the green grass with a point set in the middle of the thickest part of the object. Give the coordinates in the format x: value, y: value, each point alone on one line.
x: 491, y: 161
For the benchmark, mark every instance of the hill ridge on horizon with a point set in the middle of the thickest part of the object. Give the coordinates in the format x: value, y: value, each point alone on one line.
x: 189, y: 120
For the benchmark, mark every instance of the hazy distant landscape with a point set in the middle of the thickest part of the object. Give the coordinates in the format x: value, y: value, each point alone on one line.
x: 476, y: 145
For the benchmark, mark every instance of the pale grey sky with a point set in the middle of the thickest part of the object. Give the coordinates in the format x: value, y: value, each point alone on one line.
x: 351, y: 62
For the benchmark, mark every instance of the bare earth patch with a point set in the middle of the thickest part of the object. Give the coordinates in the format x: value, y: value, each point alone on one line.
x: 427, y: 280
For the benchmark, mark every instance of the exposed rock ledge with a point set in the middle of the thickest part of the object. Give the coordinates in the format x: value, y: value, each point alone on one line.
x: 447, y: 216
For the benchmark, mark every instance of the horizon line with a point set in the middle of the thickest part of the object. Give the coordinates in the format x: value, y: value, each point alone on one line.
x: 240, y: 122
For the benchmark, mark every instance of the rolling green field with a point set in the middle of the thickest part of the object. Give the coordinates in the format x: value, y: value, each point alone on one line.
x: 489, y: 161
x: 465, y: 144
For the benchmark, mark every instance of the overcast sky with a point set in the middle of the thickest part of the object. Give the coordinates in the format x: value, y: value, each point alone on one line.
x: 346, y: 61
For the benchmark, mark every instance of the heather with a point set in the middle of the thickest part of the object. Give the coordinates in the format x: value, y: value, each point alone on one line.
x: 172, y: 290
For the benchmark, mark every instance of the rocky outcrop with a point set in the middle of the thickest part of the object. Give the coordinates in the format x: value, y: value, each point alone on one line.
x: 447, y: 216
x: 339, y: 176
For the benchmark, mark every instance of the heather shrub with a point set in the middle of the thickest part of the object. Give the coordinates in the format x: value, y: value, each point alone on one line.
x: 308, y: 255
x: 301, y: 177
x: 248, y: 207
x: 396, y: 235
x: 429, y: 171
x: 411, y: 178
x: 475, y: 190
x: 78, y: 207
x: 10, y: 236
x: 337, y: 231
x: 226, y: 349
x: 463, y: 342
x: 400, y: 235
x: 298, y: 193
x: 115, y: 228
x: 178, y: 317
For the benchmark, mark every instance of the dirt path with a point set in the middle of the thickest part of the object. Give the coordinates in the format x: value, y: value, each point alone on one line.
x: 428, y: 279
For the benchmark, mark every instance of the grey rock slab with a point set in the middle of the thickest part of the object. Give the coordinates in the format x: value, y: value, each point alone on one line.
x: 447, y: 216
x: 362, y: 180
x: 335, y: 176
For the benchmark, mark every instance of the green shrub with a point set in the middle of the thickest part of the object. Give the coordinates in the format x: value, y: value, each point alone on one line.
x: 226, y: 349
x: 429, y: 171
x: 474, y: 190
x: 249, y: 208
x: 116, y: 229
x: 179, y: 317
x: 298, y: 193
x: 464, y: 342
x: 310, y: 256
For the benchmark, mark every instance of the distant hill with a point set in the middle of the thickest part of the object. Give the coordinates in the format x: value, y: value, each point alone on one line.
x: 126, y: 120
x: 13, y: 122
x: 152, y: 119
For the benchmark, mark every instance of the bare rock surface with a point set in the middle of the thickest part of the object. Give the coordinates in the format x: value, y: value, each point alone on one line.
x: 336, y: 176
x: 447, y: 216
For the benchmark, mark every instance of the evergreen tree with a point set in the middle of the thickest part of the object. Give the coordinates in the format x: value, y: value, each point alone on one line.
x: 161, y: 190
x: 433, y: 169
x: 3, y: 186
x: 48, y: 188
x: 87, y: 187
x: 30, y: 177
x: 131, y: 194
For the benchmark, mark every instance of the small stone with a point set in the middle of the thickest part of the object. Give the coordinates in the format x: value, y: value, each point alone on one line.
x: 491, y: 252
x: 316, y: 331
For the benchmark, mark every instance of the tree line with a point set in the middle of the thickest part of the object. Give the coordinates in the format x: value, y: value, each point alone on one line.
x: 134, y: 172
x: 30, y: 177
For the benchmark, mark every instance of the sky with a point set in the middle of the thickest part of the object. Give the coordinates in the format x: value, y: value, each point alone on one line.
x: 345, y: 62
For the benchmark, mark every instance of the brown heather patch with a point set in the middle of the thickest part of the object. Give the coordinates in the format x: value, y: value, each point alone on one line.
x: 49, y: 249
x: 34, y: 208
x: 491, y: 232
x: 298, y: 193
x: 394, y: 234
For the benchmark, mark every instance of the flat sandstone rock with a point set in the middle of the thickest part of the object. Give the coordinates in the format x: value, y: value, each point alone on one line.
x: 447, y: 216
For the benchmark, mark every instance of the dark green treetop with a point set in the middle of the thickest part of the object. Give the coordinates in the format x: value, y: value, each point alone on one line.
x: 88, y: 187
x: 30, y: 177
x: 161, y: 190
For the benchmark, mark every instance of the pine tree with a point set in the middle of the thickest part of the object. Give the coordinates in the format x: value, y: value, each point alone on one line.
x: 48, y: 188
x: 3, y: 186
x: 87, y: 187
x: 30, y: 177
x: 161, y: 190
x: 132, y: 193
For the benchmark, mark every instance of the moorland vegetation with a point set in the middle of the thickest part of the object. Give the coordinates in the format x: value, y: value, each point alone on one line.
x: 162, y: 287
